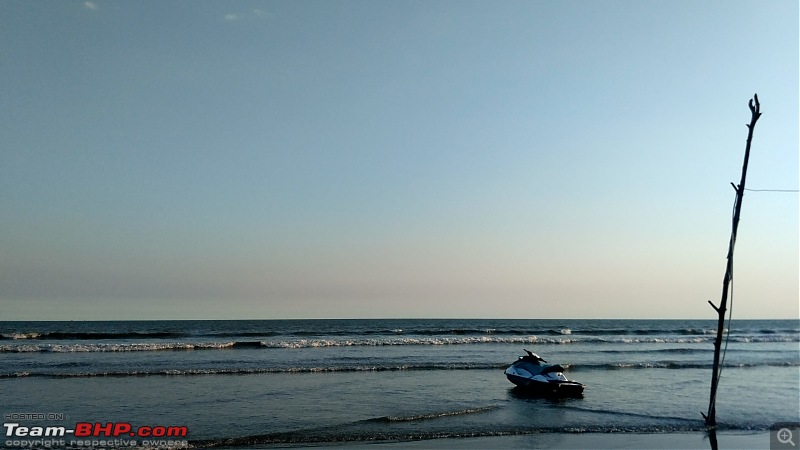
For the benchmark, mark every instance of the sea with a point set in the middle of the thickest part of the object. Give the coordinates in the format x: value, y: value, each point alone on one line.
x: 279, y: 383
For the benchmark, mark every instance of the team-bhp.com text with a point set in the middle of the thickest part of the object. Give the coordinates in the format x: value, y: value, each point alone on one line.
x: 123, y: 434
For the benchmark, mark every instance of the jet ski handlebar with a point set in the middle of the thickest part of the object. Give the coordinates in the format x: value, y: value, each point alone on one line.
x: 534, y: 356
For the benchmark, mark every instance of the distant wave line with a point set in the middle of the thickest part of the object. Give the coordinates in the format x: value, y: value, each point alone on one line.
x: 444, y: 332
x: 317, y: 343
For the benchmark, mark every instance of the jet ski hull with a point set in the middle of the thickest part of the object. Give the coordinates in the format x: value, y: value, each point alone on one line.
x: 547, y: 388
x: 530, y: 375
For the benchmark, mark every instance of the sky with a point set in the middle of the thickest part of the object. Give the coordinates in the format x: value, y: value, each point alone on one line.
x: 397, y: 159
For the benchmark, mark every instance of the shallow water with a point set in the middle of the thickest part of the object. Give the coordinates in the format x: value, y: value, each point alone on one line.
x: 281, y: 382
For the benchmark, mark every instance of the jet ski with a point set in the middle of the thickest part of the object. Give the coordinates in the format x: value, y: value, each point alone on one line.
x: 529, y: 374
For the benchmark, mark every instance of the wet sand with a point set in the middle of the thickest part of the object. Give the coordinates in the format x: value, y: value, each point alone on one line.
x: 697, y: 440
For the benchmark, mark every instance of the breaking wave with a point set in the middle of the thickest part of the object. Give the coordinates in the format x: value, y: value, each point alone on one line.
x: 356, y: 332
x: 439, y: 415
x: 374, y: 342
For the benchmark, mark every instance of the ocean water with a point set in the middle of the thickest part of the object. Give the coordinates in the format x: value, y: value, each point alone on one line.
x: 308, y: 382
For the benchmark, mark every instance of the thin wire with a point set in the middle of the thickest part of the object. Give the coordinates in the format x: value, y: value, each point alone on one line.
x: 727, y: 333
x: 730, y: 309
x: 772, y: 190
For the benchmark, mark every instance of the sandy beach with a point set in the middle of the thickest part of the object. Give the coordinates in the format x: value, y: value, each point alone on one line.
x: 698, y: 440
x: 645, y: 441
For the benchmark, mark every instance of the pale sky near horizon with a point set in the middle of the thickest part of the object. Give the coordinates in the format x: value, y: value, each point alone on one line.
x: 311, y: 159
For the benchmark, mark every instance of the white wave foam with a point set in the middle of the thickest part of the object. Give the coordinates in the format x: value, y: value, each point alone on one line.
x: 437, y: 415
x: 131, y: 347
x: 383, y: 341
x: 21, y: 335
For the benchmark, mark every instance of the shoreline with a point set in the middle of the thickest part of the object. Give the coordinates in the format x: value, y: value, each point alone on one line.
x: 731, y: 439
x: 622, y: 440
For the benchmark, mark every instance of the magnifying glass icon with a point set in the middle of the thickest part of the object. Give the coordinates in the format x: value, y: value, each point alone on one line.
x: 785, y: 436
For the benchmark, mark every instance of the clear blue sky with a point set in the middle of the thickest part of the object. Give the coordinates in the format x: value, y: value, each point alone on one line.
x: 281, y: 159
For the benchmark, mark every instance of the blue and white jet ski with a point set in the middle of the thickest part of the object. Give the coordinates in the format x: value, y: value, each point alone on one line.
x: 530, y: 374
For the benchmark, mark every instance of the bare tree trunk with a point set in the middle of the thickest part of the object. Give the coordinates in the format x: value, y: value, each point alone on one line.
x: 711, y: 420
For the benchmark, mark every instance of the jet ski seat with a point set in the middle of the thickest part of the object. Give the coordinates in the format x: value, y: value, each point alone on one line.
x: 523, y: 373
x: 553, y: 368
